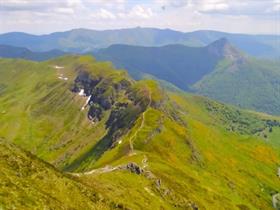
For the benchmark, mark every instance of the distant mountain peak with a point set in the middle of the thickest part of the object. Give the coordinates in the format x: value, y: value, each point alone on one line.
x: 223, y: 49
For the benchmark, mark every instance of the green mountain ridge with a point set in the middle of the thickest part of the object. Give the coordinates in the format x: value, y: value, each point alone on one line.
x: 252, y: 84
x: 178, y: 64
x: 219, y: 71
x: 7, y: 51
x: 133, y: 143
x: 85, y: 40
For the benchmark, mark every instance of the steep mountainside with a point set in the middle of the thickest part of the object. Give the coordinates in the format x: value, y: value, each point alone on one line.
x: 253, y: 84
x: 82, y: 40
x: 7, y: 51
x: 178, y: 64
x: 218, y: 71
x: 135, y: 144
x: 29, y: 183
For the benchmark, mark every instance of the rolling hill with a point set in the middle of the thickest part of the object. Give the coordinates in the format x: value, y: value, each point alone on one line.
x: 219, y: 71
x: 178, y: 64
x: 7, y: 51
x: 253, y: 84
x: 85, y: 40
x: 131, y: 142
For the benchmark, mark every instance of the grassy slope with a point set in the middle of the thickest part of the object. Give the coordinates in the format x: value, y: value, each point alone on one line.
x: 253, y: 85
x: 7, y: 51
x: 235, y: 78
x: 203, y: 162
x: 205, y: 153
x: 29, y: 183
x: 40, y: 113
x: 178, y: 64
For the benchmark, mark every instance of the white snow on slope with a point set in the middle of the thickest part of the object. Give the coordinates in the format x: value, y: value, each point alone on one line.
x: 58, y: 67
x: 85, y: 105
x: 63, y: 78
x: 82, y: 92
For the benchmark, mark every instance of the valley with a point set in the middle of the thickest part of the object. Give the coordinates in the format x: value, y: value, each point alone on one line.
x: 219, y: 71
x: 139, y: 105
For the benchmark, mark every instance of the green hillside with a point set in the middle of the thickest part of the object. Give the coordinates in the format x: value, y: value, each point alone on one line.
x: 253, y: 84
x: 218, y: 71
x: 177, y: 64
x: 133, y: 143
x: 29, y: 183
x: 7, y: 51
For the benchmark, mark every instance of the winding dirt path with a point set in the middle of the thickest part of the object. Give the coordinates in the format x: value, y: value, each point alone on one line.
x: 145, y: 162
x: 140, y: 127
x: 107, y: 169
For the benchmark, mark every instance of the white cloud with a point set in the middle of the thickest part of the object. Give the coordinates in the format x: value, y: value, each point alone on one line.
x: 246, y: 16
x: 137, y: 12
x: 140, y: 12
x: 276, y: 6
x: 103, y: 14
x: 68, y: 11
x: 213, y: 5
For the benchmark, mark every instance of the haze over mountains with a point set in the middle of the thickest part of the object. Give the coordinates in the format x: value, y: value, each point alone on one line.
x: 119, y: 129
x: 178, y: 64
x: 7, y: 51
x: 218, y: 70
x: 83, y: 40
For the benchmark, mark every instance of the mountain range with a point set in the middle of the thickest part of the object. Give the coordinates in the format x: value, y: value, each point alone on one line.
x: 84, y: 40
x: 122, y: 119
x: 8, y: 51
x: 101, y: 140
x: 219, y: 71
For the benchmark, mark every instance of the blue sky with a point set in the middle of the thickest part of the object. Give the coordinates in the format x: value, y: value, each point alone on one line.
x: 45, y: 16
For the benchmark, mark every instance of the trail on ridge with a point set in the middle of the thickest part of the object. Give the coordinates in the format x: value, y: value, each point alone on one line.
x: 107, y: 169
x: 140, y: 127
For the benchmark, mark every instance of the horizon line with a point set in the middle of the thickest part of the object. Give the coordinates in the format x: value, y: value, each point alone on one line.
x: 127, y: 28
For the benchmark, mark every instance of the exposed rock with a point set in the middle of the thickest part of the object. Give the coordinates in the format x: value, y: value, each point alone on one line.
x: 158, y: 183
x: 123, y: 84
x: 116, y: 114
x: 149, y: 175
x: 276, y: 201
x: 194, y: 206
x: 83, y: 81
x: 134, y: 168
x: 123, y: 103
x: 95, y: 112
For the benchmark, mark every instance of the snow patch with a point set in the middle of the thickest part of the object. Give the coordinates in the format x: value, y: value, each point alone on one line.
x: 88, y: 99
x: 82, y: 92
x: 85, y: 105
x: 58, y: 67
x: 63, y: 78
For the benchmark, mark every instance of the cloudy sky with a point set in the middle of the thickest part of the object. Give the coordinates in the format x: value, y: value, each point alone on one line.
x: 45, y: 16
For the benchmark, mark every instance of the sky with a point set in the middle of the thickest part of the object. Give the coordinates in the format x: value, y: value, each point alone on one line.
x: 46, y: 16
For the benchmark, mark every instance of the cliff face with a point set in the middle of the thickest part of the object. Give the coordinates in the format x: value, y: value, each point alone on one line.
x: 117, y: 102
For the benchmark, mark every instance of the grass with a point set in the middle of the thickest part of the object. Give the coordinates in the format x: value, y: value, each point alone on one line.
x: 29, y: 183
x: 205, y: 153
